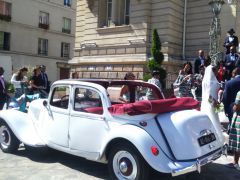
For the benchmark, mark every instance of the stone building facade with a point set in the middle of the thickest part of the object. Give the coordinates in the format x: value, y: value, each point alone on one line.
x: 114, y: 36
x: 35, y: 32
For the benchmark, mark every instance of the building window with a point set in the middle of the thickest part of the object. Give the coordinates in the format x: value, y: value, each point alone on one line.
x: 5, y: 11
x: 4, y: 41
x: 66, y: 25
x: 43, y: 20
x: 42, y: 46
x: 114, y: 13
x: 67, y: 3
x: 65, y: 50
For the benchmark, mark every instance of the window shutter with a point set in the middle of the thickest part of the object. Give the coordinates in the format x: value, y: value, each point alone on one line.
x: 6, y: 41
x: 102, y: 13
x: 61, y: 49
x: 1, y: 39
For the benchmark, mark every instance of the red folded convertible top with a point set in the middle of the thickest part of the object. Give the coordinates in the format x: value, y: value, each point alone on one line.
x: 155, y: 106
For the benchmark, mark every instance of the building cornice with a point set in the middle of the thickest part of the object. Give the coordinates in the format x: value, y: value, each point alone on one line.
x: 110, y: 59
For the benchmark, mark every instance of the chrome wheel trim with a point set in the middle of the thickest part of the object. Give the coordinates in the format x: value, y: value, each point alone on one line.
x: 5, y: 137
x: 124, y: 165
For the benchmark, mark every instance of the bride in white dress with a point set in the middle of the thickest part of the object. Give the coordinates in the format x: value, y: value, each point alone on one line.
x: 210, y: 87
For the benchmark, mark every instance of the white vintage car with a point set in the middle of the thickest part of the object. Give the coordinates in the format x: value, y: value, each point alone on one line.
x: 86, y: 118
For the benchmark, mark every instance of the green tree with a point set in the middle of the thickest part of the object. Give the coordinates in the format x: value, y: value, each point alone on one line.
x: 156, y: 53
x: 156, y: 59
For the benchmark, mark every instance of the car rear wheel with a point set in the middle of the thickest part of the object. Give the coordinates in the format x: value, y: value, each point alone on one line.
x: 8, y: 141
x: 125, y: 162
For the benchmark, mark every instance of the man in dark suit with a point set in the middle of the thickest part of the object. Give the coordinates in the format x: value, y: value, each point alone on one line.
x: 44, y: 77
x: 230, y: 61
x: 200, y: 60
x: 230, y: 40
x: 3, y: 94
x: 231, y: 88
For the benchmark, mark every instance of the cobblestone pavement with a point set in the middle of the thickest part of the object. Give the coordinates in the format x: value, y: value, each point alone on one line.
x: 35, y: 165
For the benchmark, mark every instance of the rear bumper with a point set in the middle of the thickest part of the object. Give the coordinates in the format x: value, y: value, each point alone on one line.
x: 186, y: 167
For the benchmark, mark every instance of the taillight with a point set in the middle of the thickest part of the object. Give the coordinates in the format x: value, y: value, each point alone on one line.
x: 154, y: 150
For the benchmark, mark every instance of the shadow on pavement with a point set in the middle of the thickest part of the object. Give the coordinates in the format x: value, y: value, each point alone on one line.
x: 213, y: 171
x: 92, y: 168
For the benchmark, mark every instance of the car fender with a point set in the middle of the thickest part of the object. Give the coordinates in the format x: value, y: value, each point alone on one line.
x: 143, y: 142
x: 22, y: 126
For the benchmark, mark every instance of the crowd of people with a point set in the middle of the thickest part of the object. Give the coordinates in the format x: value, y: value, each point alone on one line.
x: 37, y: 83
x: 215, y: 84
x: 208, y: 86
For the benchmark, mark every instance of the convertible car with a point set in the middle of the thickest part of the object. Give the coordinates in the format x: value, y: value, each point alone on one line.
x: 86, y: 118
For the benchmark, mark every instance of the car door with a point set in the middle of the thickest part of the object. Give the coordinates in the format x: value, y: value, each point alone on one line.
x: 57, y: 122
x: 87, y: 124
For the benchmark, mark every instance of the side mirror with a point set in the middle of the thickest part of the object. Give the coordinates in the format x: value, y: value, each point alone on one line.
x: 45, y: 103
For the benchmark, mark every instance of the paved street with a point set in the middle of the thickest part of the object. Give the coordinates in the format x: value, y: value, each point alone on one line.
x: 29, y: 165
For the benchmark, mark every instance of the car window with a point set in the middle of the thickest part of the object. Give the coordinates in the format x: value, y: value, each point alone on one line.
x: 141, y: 93
x: 60, y: 97
x: 114, y: 94
x: 87, y: 100
x: 145, y: 93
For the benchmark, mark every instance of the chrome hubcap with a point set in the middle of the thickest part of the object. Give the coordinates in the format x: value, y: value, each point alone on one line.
x: 3, y: 136
x: 124, y: 165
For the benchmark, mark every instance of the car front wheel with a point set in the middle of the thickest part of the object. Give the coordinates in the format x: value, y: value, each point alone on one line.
x: 125, y: 162
x: 8, y: 141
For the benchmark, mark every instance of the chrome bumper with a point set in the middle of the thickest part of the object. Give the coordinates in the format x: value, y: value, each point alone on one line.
x: 186, y: 167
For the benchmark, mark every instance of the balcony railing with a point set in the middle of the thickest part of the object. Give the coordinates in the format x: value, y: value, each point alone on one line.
x: 42, y: 52
x: 68, y: 31
x: 43, y: 26
x: 65, y: 55
x: 5, y: 17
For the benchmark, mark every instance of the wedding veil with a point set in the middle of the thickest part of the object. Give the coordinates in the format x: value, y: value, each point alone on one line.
x: 210, y: 84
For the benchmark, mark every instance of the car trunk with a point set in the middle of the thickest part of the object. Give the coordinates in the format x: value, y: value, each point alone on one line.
x: 184, y: 129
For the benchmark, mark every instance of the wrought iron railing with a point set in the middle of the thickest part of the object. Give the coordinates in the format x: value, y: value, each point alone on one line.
x: 43, y: 26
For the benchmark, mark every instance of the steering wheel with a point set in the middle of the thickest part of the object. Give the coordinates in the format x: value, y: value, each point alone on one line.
x: 63, y: 103
x: 64, y: 97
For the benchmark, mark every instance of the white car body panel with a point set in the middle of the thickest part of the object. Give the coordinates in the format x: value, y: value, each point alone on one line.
x: 87, y: 127
x: 22, y: 126
x: 143, y: 142
x: 59, y: 118
x: 84, y: 129
x: 88, y: 135
x: 187, y: 130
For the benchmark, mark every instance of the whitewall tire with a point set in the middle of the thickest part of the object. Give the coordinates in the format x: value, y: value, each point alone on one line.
x: 125, y: 162
x: 8, y: 141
